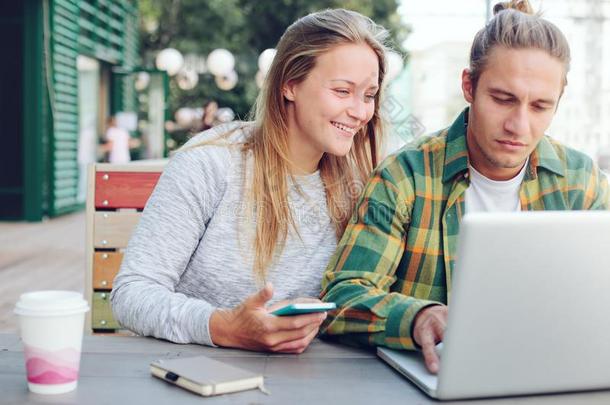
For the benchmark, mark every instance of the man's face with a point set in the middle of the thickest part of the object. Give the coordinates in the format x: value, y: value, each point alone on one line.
x: 513, y: 105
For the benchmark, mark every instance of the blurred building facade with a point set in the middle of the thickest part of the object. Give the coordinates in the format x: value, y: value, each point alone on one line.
x: 583, y: 117
x: 436, y: 74
x: 57, y: 87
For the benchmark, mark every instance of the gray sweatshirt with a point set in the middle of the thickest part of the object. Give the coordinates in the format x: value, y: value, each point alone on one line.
x: 192, y: 251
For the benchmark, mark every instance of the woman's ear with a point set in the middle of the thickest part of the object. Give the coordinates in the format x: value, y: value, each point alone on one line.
x: 288, y: 90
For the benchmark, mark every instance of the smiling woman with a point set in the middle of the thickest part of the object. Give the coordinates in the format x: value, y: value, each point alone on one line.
x: 345, y: 83
x: 249, y: 203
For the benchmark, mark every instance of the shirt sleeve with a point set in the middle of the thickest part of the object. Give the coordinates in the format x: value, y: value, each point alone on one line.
x: 596, y: 192
x: 144, y: 297
x: 361, y: 273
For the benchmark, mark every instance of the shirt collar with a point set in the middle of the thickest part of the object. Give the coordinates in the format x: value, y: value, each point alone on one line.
x: 456, y: 152
x: 546, y: 157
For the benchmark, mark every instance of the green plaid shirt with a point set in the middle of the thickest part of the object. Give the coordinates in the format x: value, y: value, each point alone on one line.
x: 397, y: 254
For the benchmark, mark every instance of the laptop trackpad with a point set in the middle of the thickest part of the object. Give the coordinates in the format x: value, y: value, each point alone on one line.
x: 411, y: 365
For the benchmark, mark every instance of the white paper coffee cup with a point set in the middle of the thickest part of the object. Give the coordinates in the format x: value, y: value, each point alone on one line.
x: 51, y: 324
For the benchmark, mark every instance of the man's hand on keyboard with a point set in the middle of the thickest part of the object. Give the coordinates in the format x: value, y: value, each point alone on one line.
x: 429, y: 330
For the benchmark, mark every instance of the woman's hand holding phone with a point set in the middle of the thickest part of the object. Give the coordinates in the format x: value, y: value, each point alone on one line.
x: 252, y: 326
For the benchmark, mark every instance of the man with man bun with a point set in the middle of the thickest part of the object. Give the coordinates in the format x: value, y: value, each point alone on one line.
x: 391, y: 273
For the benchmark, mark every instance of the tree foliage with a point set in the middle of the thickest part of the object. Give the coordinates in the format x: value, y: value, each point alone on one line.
x: 246, y: 28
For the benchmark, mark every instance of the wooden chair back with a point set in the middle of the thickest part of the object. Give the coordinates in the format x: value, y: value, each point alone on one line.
x: 116, y: 197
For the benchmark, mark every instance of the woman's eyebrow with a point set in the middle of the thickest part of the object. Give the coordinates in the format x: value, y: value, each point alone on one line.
x: 371, y: 87
x: 344, y: 80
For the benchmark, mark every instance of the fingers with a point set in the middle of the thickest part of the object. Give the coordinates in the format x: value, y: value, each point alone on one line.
x: 428, y: 349
x: 438, y: 328
x: 287, y: 323
x: 292, y: 333
x: 428, y: 331
x: 307, y: 299
x: 259, y: 299
x: 280, y: 338
x: 429, y: 334
x: 297, y: 345
x: 283, y: 303
x: 278, y: 305
x: 256, y: 329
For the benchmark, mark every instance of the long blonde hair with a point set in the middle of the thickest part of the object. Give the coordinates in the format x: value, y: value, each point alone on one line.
x: 343, y: 176
x: 515, y: 26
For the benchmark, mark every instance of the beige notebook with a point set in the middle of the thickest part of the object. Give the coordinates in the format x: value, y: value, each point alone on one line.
x: 205, y: 376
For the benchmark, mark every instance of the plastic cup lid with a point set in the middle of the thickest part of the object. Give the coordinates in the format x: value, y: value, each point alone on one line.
x: 50, y: 303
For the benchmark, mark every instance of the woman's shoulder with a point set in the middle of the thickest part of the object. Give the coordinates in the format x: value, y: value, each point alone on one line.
x: 224, y: 135
x: 214, y: 153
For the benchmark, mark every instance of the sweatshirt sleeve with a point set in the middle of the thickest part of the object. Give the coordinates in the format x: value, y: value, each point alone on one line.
x: 144, y: 297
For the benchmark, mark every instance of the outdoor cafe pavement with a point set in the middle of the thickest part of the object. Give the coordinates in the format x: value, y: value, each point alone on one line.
x: 39, y: 256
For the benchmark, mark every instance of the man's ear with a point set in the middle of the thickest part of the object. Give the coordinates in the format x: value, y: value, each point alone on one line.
x: 467, y: 87
x: 288, y: 91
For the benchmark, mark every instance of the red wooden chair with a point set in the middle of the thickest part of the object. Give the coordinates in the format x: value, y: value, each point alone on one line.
x: 116, y: 197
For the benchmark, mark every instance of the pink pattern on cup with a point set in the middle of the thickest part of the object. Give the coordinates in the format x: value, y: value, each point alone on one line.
x: 51, y: 367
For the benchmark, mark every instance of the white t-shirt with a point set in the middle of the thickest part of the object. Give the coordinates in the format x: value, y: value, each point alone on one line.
x: 486, y: 195
x: 120, y: 145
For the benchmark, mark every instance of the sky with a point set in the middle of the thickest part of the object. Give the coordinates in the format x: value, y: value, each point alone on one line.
x: 434, y: 21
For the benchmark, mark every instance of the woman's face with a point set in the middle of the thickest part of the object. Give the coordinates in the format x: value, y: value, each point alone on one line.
x: 336, y: 99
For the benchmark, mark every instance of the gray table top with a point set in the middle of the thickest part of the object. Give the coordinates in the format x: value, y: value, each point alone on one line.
x: 114, y: 370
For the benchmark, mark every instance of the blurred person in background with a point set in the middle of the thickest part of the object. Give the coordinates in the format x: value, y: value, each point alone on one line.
x: 246, y: 215
x: 118, y: 142
x: 209, y: 118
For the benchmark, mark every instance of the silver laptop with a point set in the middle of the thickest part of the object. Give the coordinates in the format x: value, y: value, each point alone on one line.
x: 529, y: 310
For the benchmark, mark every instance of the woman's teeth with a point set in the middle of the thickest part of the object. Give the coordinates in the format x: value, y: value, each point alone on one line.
x: 344, y: 128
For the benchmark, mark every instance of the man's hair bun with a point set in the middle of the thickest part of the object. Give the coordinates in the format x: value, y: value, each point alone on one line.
x: 519, y: 5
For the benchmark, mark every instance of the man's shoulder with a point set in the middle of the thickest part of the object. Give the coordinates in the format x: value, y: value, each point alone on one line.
x: 431, y: 143
x: 413, y: 153
x: 571, y: 159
